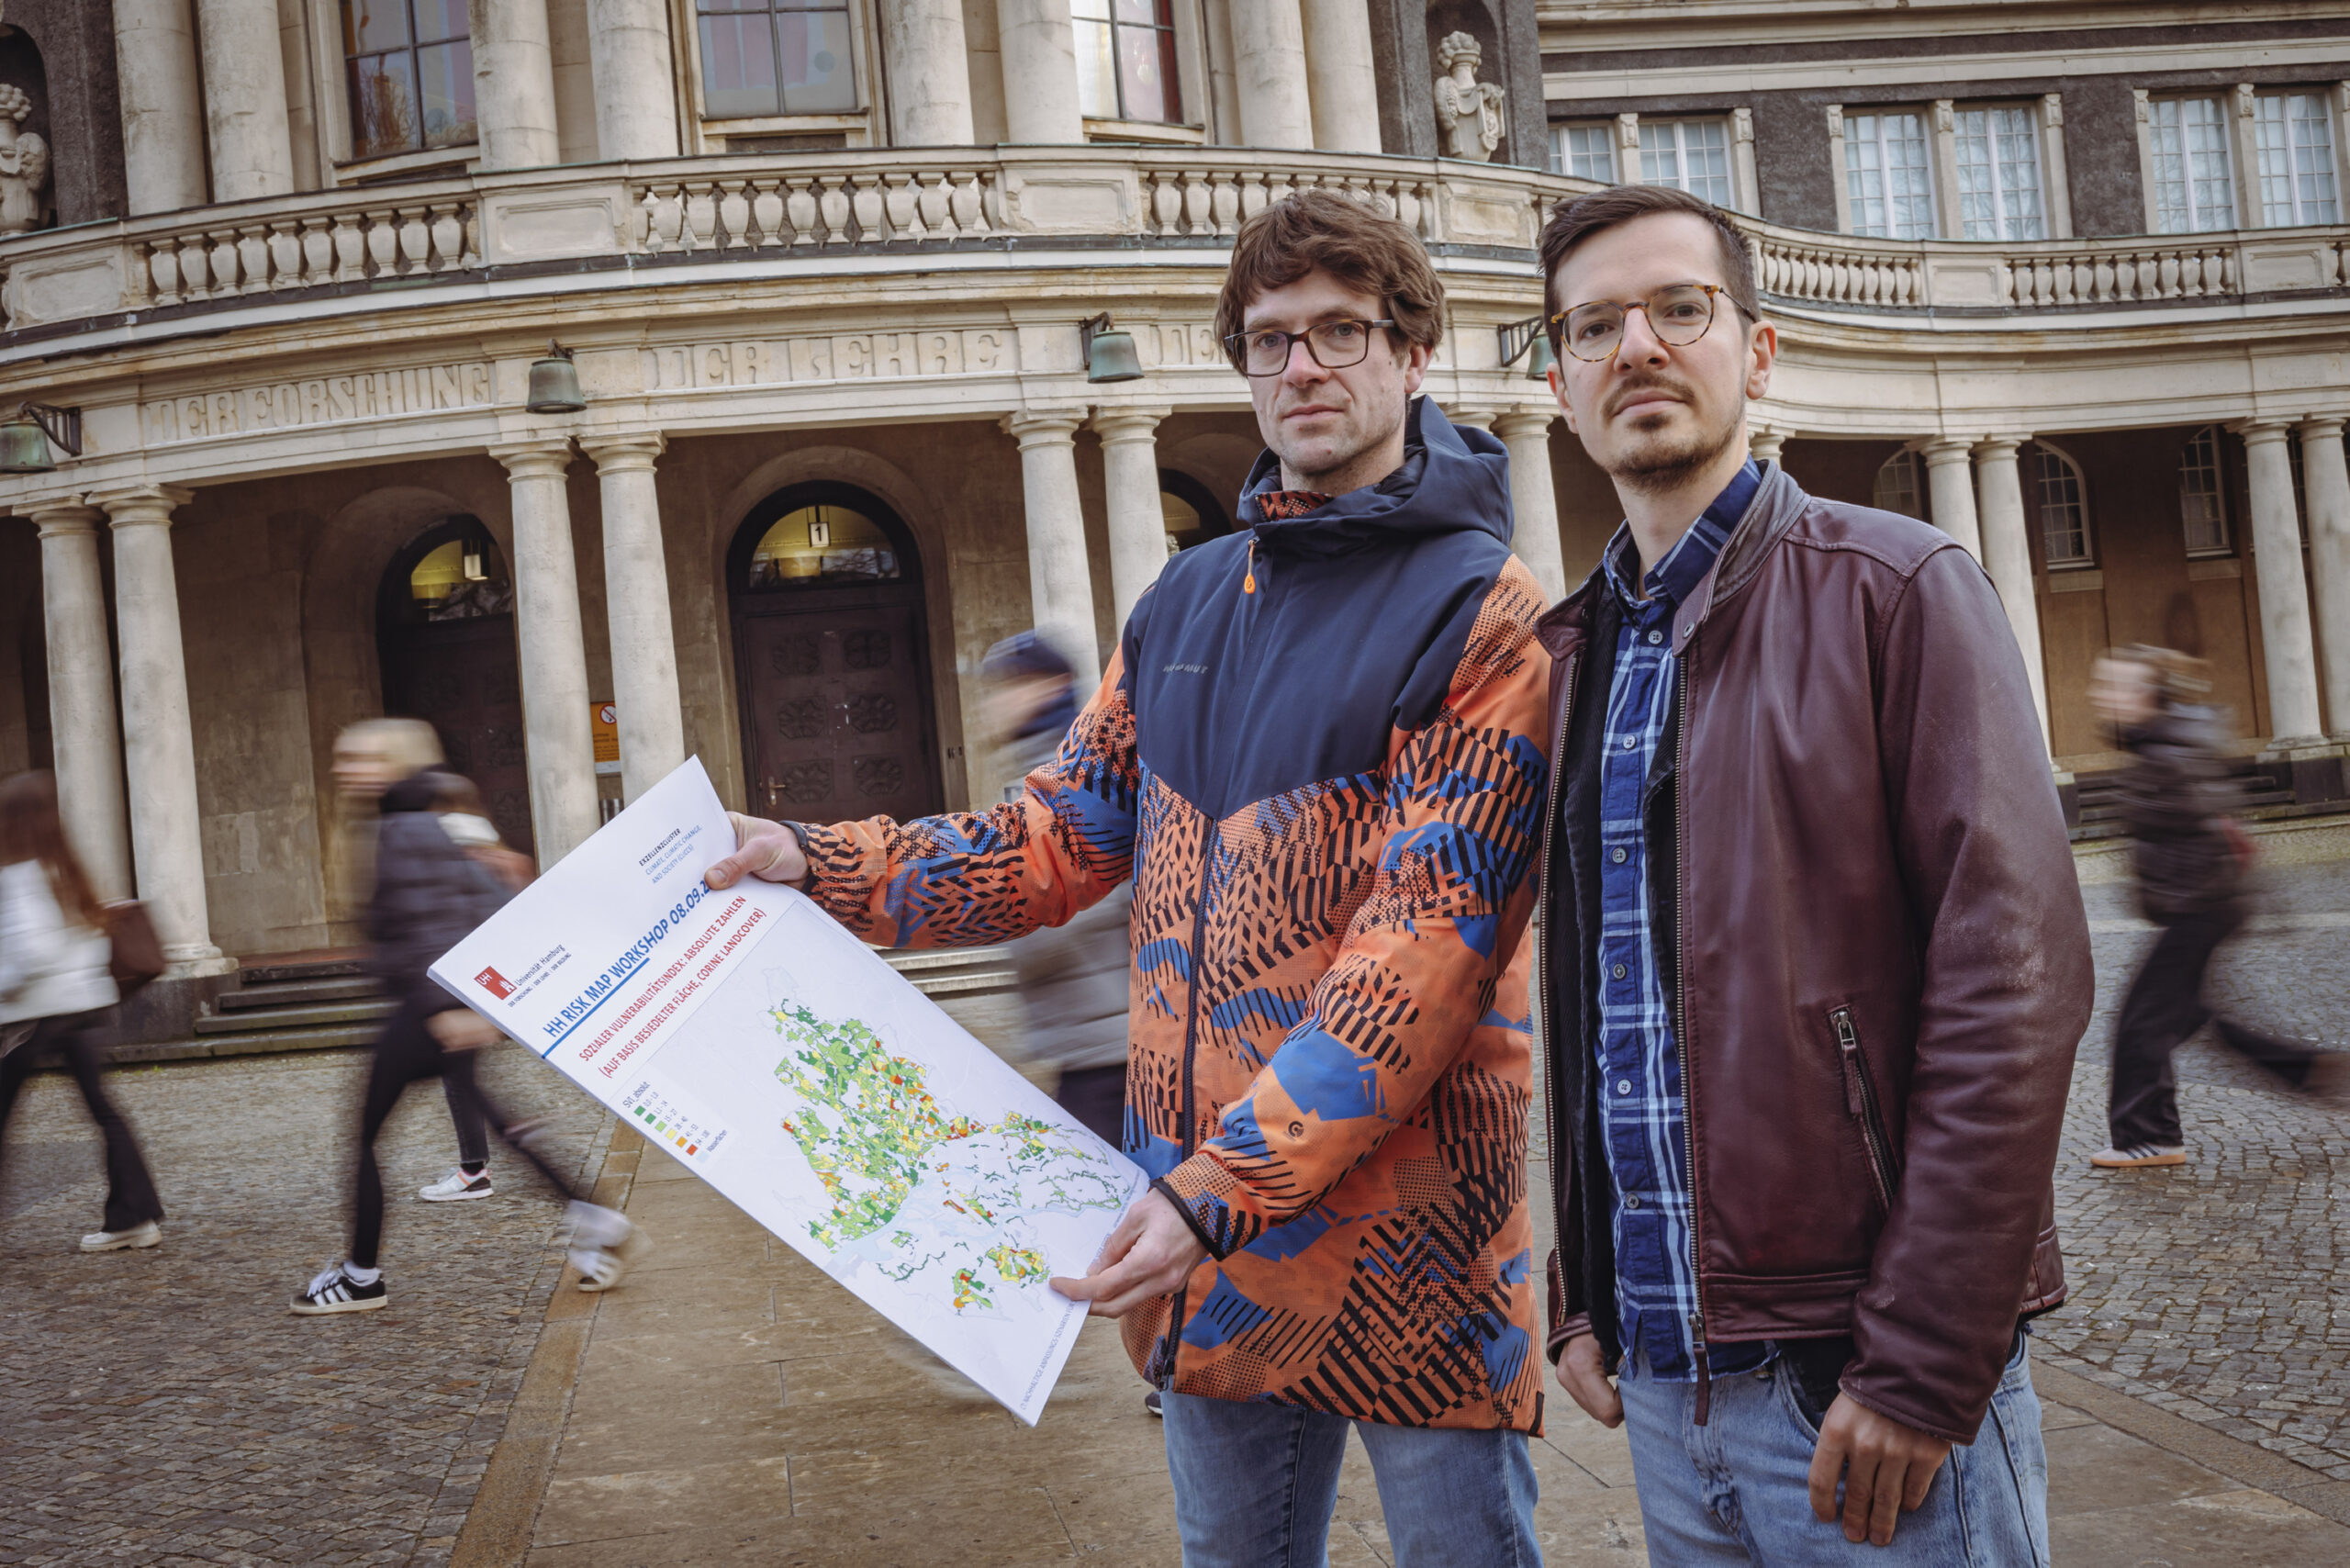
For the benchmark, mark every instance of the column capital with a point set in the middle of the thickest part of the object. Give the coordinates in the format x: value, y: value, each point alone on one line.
x: 624, y: 452
x: 1475, y: 419
x: 1944, y: 449
x: 546, y: 458
x: 1043, y: 427
x: 1999, y: 448
x: 2259, y: 431
x: 1129, y: 421
x: 61, y: 514
x: 2318, y: 426
x: 131, y: 505
x: 1518, y: 424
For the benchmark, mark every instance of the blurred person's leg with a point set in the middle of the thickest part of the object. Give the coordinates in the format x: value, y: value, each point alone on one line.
x: 471, y: 1177
x: 1255, y: 1485
x: 404, y: 1052
x: 605, y: 1245
x: 1096, y: 1097
x: 473, y: 1138
x: 131, y: 1187
x: 2287, y: 1058
x: 2165, y: 1005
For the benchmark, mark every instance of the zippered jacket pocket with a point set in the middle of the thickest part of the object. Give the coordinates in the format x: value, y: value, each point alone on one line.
x: 1861, y: 1100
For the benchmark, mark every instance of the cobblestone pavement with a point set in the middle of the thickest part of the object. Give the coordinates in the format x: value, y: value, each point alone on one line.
x: 2211, y: 1290
x: 164, y: 1408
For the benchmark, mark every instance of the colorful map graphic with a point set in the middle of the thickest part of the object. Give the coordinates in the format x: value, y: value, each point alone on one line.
x: 927, y: 1197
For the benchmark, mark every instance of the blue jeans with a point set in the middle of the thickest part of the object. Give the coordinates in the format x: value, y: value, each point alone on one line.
x: 1254, y: 1485
x: 1736, y: 1490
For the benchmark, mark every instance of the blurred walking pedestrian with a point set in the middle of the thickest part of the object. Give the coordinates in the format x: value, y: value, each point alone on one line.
x: 2190, y: 861
x: 55, y: 974
x: 1072, y: 976
x: 428, y: 893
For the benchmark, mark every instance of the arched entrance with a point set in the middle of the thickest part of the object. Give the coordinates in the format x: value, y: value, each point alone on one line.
x: 831, y: 663
x: 444, y: 630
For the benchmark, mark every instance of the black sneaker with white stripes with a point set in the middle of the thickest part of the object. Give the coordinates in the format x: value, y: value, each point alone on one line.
x: 334, y: 1291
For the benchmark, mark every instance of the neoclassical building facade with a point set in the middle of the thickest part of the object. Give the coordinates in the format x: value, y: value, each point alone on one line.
x: 832, y: 278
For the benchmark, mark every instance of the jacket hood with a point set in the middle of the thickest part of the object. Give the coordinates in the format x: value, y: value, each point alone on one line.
x: 1454, y: 478
x: 414, y: 793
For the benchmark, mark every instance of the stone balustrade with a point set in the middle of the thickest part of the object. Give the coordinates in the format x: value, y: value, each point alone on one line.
x: 503, y: 224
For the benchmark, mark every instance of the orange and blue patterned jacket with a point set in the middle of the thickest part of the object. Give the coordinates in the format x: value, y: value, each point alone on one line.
x: 1318, y: 752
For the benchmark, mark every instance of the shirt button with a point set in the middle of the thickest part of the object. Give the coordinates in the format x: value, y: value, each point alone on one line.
x: 1656, y: 637
x: 1632, y: 1202
x: 1631, y: 741
x: 1618, y: 971
x: 1623, y: 1086
x: 1619, y: 854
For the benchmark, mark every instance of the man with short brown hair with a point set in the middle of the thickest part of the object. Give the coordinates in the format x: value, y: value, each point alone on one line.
x: 1315, y: 754
x: 1814, y: 961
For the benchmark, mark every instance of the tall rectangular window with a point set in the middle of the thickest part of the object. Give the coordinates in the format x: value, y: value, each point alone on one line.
x: 761, y: 59
x: 2195, y: 189
x: 1887, y: 175
x: 1693, y: 155
x: 2202, y: 499
x: 1999, y: 174
x: 2063, y: 512
x: 1125, y: 60
x: 2294, y: 134
x: 409, y: 67
x: 1584, y: 151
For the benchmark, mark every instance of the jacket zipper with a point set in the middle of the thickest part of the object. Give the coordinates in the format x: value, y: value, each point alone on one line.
x: 1543, y: 1033
x: 1191, y: 1043
x: 1681, y: 1043
x: 1860, y: 1099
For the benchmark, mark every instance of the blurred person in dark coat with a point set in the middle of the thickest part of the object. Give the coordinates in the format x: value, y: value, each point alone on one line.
x: 56, y: 978
x: 2190, y: 862
x: 1073, y: 978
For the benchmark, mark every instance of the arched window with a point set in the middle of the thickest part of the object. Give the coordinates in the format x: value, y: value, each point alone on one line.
x: 2064, y: 509
x: 1901, y: 486
x: 409, y: 70
x: 1192, y: 514
x: 2202, y: 499
x: 822, y: 545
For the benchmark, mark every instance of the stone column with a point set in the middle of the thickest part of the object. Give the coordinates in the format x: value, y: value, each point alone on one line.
x: 162, y: 112
x: 1268, y: 44
x: 244, y: 99
x: 930, y: 77
x: 1341, y: 81
x: 1039, y: 51
x: 2290, y: 651
x: 552, y: 654
x: 1138, y: 520
x: 166, y: 825
x: 1765, y: 445
x: 1527, y: 433
x: 2325, y: 476
x: 1060, y: 580
x: 2007, y: 555
x: 637, y: 594
x: 636, y: 93
x: 87, y: 742
x: 514, y: 83
x: 1950, y: 490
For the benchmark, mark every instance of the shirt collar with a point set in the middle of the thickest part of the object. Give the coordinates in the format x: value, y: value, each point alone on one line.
x: 1674, y: 579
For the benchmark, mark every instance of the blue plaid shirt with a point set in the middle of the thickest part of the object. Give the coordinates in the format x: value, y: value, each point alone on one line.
x: 1640, y: 1070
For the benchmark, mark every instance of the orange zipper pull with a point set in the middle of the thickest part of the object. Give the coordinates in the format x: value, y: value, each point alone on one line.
x: 1248, y: 583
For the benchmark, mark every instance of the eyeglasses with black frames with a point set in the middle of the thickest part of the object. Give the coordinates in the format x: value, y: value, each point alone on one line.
x: 1335, y: 345
x: 1678, y: 315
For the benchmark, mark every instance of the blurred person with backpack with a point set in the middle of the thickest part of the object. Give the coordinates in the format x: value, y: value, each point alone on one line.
x: 429, y: 893
x: 2190, y: 860
x: 56, y: 975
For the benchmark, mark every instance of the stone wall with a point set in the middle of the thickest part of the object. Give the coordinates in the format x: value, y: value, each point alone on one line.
x: 75, y: 102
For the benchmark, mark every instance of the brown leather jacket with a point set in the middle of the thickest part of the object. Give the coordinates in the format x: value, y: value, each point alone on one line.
x: 1877, y: 957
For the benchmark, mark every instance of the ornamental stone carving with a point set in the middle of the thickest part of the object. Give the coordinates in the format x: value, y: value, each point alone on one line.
x: 1468, y: 112
x: 24, y: 165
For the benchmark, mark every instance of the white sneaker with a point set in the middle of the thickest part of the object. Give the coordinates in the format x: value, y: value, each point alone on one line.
x: 2138, y: 1157
x: 146, y: 1232
x: 456, y: 1187
x: 334, y: 1291
x: 600, y: 1268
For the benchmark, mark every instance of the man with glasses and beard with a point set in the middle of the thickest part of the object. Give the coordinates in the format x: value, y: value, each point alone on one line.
x: 1812, y: 960
x: 1316, y: 756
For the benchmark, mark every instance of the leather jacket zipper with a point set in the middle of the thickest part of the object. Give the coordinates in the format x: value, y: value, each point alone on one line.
x: 1542, y: 1033
x: 1190, y: 1142
x: 1860, y: 1099
x: 1681, y: 1044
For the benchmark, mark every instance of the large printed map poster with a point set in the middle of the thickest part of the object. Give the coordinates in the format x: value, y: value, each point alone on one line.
x: 783, y: 1062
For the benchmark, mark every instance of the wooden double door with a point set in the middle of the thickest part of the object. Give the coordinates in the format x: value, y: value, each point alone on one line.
x: 464, y: 678
x: 835, y: 690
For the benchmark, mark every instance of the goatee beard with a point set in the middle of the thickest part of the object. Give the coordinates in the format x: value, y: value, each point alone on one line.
x: 1659, y: 469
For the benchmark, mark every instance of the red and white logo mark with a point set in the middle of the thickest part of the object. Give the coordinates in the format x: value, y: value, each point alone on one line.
x: 497, y: 985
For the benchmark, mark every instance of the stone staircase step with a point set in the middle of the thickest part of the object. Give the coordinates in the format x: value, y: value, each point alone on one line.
x: 259, y: 1043
x: 296, y: 993
x: 250, y: 1020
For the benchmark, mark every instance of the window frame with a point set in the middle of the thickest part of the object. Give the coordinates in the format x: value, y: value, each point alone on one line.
x: 2035, y: 130
x: 1929, y: 198
x: 2235, y: 203
x: 1170, y: 32
x: 703, y: 132
x: 2207, y: 438
x: 1679, y: 124
x: 2256, y: 198
x: 332, y: 131
x: 2045, y: 452
x: 1607, y: 132
x: 1913, y: 467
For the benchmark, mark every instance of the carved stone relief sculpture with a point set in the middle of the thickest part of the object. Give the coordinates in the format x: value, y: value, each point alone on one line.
x: 1469, y: 113
x: 24, y: 165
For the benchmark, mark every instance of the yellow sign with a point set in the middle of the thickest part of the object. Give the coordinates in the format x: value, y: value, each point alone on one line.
x: 604, y: 718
